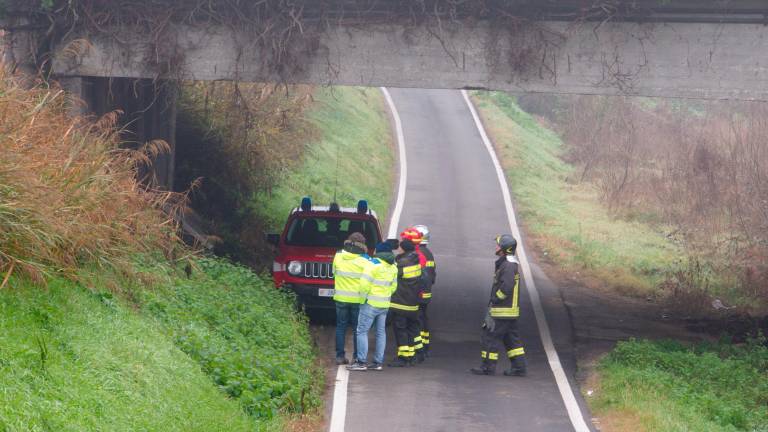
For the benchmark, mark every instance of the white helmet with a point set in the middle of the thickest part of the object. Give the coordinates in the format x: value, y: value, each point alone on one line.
x: 424, y: 233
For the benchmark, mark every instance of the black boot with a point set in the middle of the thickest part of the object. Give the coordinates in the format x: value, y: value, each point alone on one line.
x: 518, y: 367
x: 487, y: 368
x: 400, y: 362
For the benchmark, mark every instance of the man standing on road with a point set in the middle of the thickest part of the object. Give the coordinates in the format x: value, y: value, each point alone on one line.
x: 431, y: 273
x: 349, y: 266
x: 405, y: 304
x: 415, y: 236
x: 500, y: 326
x: 380, y: 283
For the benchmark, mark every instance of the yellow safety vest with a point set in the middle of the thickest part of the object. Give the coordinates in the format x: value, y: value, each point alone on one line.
x: 348, y: 271
x: 380, y: 283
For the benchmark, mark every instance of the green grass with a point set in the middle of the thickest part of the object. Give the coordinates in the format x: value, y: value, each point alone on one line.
x: 567, y: 221
x: 245, y: 335
x: 74, y: 360
x: 354, y: 147
x: 222, y: 350
x: 672, y: 387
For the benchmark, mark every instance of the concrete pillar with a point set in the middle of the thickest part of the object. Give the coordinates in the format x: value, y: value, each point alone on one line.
x: 148, y: 113
x: 74, y: 88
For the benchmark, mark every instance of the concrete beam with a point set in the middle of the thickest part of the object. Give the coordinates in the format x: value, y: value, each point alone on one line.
x: 690, y: 60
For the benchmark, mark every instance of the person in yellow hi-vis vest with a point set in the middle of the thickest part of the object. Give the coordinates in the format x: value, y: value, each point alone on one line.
x: 380, y: 282
x: 500, y: 325
x: 349, y: 266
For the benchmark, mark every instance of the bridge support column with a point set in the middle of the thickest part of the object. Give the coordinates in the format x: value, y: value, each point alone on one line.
x: 148, y: 113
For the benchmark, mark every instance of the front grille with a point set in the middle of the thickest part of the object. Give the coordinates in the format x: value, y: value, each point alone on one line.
x: 318, y: 270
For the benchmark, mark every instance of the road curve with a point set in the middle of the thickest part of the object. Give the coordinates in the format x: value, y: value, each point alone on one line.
x: 452, y: 187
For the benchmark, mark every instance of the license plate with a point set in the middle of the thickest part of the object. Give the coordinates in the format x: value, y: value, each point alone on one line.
x: 325, y: 292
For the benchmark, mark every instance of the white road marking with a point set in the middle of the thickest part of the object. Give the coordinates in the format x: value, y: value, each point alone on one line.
x: 403, y: 166
x: 339, y: 409
x: 566, y: 392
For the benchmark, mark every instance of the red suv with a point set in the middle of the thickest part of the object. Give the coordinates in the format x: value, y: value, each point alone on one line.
x: 308, y: 243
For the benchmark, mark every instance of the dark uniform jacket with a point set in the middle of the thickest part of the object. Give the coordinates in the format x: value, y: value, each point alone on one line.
x: 409, y: 283
x: 505, y: 292
x: 430, y: 274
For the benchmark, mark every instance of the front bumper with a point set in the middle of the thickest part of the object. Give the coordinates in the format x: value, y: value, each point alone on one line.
x: 309, y: 295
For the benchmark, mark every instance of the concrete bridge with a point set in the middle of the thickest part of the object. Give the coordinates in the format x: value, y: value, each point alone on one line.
x: 683, y: 48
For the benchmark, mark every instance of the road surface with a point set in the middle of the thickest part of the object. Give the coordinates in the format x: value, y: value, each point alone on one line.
x: 452, y: 187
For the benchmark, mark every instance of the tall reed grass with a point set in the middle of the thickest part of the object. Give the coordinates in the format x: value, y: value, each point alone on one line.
x: 69, y: 197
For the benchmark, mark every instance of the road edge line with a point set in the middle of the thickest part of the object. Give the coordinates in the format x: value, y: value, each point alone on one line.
x: 563, y: 385
x: 403, y: 180
x: 339, y: 409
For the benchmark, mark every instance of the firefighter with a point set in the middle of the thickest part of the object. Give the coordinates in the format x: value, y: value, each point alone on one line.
x: 404, y: 305
x: 349, y: 266
x: 426, y: 296
x: 415, y: 236
x: 381, y: 282
x: 500, y: 324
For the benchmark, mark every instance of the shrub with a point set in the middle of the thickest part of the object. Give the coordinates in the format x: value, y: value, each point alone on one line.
x: 68, y: 194
x: 246, y: 336
x: 720, y: 385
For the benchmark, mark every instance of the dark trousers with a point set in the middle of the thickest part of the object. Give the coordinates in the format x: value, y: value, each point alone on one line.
x: 346, y: 317
x: 503, y: 339
x: 406, y: 328
x: 424, y: 324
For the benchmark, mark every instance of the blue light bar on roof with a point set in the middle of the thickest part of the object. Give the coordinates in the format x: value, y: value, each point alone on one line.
x: 362, y: 206
x: 306, y: 204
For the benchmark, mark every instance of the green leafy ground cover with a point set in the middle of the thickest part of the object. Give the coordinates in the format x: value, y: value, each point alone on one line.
x: 245, y: 335
x: 353, y: 154
x: 567, y: 221
x: 75, y: 360
x: 672, y: 387
x: 222, y: 350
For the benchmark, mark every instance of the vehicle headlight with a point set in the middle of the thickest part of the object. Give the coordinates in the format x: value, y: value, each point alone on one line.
x: 294, y: 268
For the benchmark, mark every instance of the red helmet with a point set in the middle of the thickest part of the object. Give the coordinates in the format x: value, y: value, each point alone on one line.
x: 412, y: 234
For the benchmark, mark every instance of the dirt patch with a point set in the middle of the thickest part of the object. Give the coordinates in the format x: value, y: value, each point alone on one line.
x: 620, y: 421
x: 306, y: 423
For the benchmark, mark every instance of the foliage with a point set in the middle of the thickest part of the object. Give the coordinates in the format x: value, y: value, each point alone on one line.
x: 240, y: 139
x: 569, y: 224
x: 713, y: 387
x: 68, y: 195
x: 245, y: 335
x: 699, y: 167
x: 351, y: 159
x: 294, y: 141
x: 75, y: 359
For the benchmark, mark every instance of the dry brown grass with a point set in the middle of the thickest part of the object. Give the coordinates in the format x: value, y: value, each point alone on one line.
x: 68, y: 193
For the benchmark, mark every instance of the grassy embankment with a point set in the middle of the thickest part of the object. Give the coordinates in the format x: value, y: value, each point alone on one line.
x: 94, y: 338
x: 354, y: 144
x: 643, y: 386
x: 566, y: 222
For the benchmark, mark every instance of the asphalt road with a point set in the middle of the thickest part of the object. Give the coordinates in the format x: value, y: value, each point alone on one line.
x: 452, y: 188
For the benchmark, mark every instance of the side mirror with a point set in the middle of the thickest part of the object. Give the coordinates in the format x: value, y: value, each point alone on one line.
x: 273, y: 239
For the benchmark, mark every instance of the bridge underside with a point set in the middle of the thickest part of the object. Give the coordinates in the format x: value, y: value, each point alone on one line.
x: 671, y: 59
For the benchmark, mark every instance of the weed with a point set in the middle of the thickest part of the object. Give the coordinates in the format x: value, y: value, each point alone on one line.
x: 245, y: 335
x: 713, y: 386
x: 68, y: 194
x: 70, y: 362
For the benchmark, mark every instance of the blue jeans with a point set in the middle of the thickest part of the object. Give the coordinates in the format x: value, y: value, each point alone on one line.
x: 371, y: 316
x: 346, y: 316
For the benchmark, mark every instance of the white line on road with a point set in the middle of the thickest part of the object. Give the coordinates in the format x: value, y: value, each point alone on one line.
x: 395, y: 220
x: 339, y: 410
x: 566, y: 392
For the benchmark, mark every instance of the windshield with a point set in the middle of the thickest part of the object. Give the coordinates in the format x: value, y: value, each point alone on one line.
x: 329, y: 232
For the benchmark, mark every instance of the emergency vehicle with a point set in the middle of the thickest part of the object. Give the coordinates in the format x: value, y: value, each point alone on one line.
x: 310, y: 239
